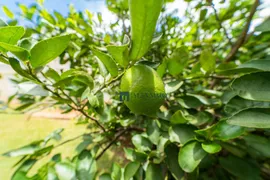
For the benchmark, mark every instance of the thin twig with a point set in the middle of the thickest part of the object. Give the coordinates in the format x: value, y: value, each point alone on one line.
x: 242, y: 38
x: 111, y: 143
x: 59, y: 96
x: 110, y: 82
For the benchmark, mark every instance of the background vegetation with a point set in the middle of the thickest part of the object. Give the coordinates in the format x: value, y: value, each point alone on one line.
x: 214, y: 123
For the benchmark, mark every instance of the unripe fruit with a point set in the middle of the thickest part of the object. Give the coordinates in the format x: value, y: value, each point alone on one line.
x: 145, y: 88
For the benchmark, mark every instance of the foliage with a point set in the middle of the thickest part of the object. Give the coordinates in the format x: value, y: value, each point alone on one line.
x: 213, y: 124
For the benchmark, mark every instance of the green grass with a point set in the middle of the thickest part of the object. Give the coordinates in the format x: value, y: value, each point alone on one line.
x: 17, y: 131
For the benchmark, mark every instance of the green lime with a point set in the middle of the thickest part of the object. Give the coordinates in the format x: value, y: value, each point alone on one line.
x: 142, y: 90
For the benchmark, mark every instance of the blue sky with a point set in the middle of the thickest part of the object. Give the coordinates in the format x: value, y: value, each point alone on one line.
x: 59, y: 5
x: 94, y: 6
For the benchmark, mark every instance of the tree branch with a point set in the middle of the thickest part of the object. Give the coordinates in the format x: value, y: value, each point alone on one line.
x: 242, y: 38
x: 111, y: 143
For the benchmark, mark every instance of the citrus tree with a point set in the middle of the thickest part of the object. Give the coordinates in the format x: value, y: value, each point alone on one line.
x: 185, y: 98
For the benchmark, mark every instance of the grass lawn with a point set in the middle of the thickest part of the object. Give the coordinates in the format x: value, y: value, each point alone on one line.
x: 16, y: 131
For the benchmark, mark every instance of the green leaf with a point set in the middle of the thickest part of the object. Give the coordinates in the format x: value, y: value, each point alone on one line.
x: 53, y: 75
x: 21, y: 172
x: 254, y: 118
x: 7, y: 12
x: 116, y: 172
x: 11, y: 34
x: 238, y: 104
x: 86, y: 166
x: 131, y: 169
x: 221, y: 131
x: 107, y: 61
x: 133, y: 155
x: 254, y: 86
x: 190, y: 156
x: 153, y: 131
x: 65, y: 171
x: 105, y: 176
x: 79, y: 76
x: 102, y: 69
x: 3, y: 60
x: 56, y: 135
x: 120, y: 53
x: 171, y: 152
x: 19, y: 52
x: 153, y: 172
x: 25, y: 150
x: 178, y: 117
x: 51, y: 174
x: 211, y: 148
x: 247, y: 67
x: 261, y: 65
x: 200, y: 118
x: 182, y: 133
x: 193, y: 101
x: 32, y: 89
x: 141, y: 143
x: 161, y: 70
x: 234, y: 149
x: 208, y: 61
x: 258, y: 143
x: 143, y: 17
x: 87, y: 140
x: 178, y: 60
x: 203, y: 13
x: 240, y: 168
x: 47, y: 50
x: 2, y: 23
x: 264, y: 26
x: 173, y: 86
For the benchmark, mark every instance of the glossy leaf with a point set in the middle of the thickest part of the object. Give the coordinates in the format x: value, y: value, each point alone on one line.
x: 11, y: 34
x: 211, y: 148
x: 178, y: 61
x: 172, y: 162
x: 86, y: 166
x: 240, y: 168
x: 254, y: 118
x: 208, y: 61
x: 32, y: 89
x: 182, y: 133
x: 25, y: 150
x: 107, y: 61
x: 47, y: 50
x: 141, y: 143
x: 221, y: 131
x: 258, y: 143
x: 143, y: 17
x: 119, y: 53
x: 153, y: 131
x: 105, y: 176
x: 65, y: 171
x: 190, y: 156
x: 238, y: 104
x: 116, y: 172
x: 264, y: 26
x: 173, y: 86
x: 21, y: 172
x: 19, y: 52
x: 130, y: 170
x: 8, y: 12
x: 153, y: 172
x: 254, y: 86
